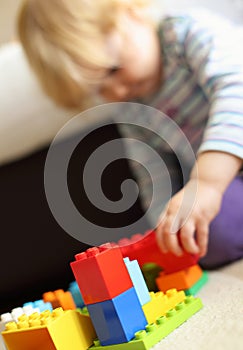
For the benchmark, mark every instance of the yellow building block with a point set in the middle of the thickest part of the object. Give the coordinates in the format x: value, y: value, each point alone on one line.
x: 57, y: 330
x: 161, y: 302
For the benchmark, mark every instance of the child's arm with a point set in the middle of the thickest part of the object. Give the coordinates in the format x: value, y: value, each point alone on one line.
x: 215, y: 60
x: 197, y: 204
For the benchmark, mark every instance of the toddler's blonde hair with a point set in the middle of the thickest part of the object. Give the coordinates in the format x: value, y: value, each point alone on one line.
x: 64, y: 43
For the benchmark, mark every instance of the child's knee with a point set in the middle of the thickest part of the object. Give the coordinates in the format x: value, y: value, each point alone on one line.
x: 225, y: 244
x: 226, y: 230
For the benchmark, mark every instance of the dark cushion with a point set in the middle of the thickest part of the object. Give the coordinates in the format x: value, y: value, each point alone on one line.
x: 35, y: 251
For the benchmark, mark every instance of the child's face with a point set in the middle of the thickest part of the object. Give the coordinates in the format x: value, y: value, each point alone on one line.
x: 139, y: 71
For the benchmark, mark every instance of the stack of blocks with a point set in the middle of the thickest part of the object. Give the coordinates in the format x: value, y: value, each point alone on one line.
x: 109, y: 294
x: 125, y: 315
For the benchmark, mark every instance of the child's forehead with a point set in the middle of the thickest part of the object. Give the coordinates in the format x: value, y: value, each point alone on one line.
x: 114, y: 45
x: 107, y: 52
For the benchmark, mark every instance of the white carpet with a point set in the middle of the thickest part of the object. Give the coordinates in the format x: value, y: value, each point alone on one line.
x: 219, y: 325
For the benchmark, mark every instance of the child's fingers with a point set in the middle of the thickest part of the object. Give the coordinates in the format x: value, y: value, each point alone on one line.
x: 166, y: 236
x: 170, y: 237
x: 160, y: 238
x: 202, y: 237
x: 187, y: 233
x: 172, y: 243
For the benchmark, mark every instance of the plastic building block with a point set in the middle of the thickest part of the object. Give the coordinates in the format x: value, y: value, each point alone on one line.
x: 101, y: 273
x: 57, y: 330
x: 151, y: 272
x: 138, y: 281
x: 77, y: 297
x: 13, y: 316
x: 59, y: 298
x: 15, y: 313
x: 146, y: 339
x: 38, y: 304
x: 83, y: 311
x: 161, y: 303
x: 144, y: 249
x: 180, y: 280
x: 198, y: 285
x: 117, y: 320
x: 5, y: 318
x: 50, y: 297
x: 29, y: 309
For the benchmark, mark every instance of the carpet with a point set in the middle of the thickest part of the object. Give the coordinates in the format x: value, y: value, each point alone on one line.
x: 219, y: 325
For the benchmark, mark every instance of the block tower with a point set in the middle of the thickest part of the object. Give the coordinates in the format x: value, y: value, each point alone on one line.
x: 109, y: 287
x: 124, y: 314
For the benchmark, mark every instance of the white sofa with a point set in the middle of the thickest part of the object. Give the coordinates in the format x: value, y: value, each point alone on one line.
x: 28, y: 119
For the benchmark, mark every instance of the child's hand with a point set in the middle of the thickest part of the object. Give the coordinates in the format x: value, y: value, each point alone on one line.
x: 189, y: 213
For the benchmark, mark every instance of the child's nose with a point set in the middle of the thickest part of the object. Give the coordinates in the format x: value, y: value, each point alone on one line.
x: 121, y: 91
x: 116, y: 92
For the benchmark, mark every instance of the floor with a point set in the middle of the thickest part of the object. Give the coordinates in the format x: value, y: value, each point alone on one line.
x: 219, y: 325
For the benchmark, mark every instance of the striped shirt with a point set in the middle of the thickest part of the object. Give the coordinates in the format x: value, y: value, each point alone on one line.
x: 202, y: 89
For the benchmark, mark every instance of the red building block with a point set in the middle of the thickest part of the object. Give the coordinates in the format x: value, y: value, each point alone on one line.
x: 144, y: 249
x: 101, y: 273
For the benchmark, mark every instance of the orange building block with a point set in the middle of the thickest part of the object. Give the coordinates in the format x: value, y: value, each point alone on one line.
x: 59, y: 298
x: 161, y: 303
x: 180, y: 280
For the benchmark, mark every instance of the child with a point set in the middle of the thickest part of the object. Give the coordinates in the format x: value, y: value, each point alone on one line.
x: 81, y: 49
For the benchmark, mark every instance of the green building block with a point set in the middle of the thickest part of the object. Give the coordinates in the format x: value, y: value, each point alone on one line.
x: 150, y: 273
x: 145, y: 339
x: 198, y: 285
x: 83, y: 310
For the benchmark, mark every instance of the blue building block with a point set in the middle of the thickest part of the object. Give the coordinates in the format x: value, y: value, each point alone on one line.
x: 77, y: 297
x: 164, y: 325
x: 137, y: 280
x: 40, y: 304
x: 118, y: 319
